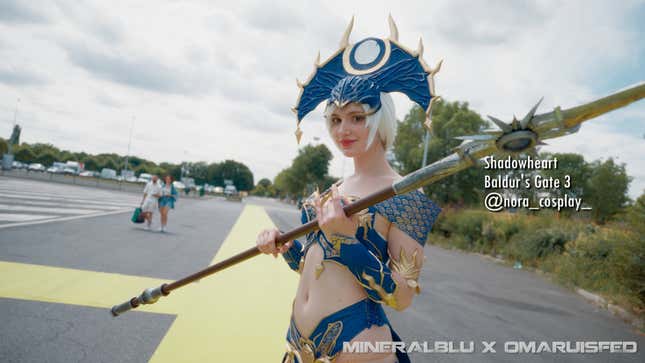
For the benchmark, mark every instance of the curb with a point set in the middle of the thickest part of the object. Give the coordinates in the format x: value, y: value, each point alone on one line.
x: 616, y: 310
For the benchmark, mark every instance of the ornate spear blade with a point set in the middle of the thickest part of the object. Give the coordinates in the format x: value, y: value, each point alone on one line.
x: 530, y: 132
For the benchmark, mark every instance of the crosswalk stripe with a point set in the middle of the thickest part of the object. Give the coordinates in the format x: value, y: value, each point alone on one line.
x: 17, y: 217
x: 20, y: 208
x: 25, y: 203
x: 52, y: 198
x: 62, y: 205
x: 102, y: 195
x: 62, y: 219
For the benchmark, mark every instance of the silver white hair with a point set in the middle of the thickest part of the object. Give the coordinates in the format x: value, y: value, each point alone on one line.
x: 383, y: 121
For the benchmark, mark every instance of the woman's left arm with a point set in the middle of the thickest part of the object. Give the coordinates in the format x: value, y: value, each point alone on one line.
x: 406, y: 261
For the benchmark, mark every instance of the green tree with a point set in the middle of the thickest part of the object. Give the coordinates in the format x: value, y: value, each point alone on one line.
x: 198, y: 171
x: 173, y: 169
x: 41, y: 148
x: 264, y: 182
x: 636, y: 216
x: 65, y: 156
x: 572, y: 169
x: 46, y: 158
x: 239, y: 173
x: 214, y: 174
x: 24, y: 154
x: 90, y: 163
x: 4, y: 147
x: 281, y: 182
x: 264, y: 188
x: 309, y: 169
x: 110, y: 164
x: 449, y: 120
x: 607, y: 185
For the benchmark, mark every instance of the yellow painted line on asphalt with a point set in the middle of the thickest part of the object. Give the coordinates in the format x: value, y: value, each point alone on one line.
x: 240, y: 314
x: 77, y: 287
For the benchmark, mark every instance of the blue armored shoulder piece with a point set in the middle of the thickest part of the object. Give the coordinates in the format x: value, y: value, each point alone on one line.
x: 413, y: 213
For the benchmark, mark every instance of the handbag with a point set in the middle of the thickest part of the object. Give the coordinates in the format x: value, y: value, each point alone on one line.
x: 137, y: 217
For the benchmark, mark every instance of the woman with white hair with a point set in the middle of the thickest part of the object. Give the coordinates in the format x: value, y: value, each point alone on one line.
x: 353, y: 266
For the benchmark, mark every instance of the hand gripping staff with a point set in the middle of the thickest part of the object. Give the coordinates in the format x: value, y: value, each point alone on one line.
x: 512, y: 138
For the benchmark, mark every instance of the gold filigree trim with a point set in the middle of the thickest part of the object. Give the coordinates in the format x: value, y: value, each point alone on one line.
x: 388, y: 299
x: 408, y: 268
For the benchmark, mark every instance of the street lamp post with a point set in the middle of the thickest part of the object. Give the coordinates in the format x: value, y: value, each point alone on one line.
x: 129, y: 143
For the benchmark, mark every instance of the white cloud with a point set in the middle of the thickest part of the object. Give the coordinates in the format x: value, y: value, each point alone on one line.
x: 210, y: 81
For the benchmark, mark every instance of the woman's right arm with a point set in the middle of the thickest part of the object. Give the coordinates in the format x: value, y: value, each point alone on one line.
x: 291, y: 251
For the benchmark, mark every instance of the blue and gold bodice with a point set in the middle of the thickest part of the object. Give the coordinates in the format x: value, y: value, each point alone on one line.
x: 413, y: 213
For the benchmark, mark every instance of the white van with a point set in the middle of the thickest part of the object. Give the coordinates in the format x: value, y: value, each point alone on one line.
x: 108, y: 173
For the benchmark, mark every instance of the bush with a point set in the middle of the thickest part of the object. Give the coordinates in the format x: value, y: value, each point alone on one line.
x: 610, y: 261
x: 601, y: 259
x: 538, y: 245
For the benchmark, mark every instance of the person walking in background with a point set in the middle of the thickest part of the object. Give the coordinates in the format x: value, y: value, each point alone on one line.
x: 167, y: 200
x: 149, y: 204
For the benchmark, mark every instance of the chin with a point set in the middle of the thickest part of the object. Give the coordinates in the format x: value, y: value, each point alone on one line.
x: 351, y: 152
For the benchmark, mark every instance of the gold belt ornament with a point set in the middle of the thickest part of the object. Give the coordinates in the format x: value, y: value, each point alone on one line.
x: 305, y: 355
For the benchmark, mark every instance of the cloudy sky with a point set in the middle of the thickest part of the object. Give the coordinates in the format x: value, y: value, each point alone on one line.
x: 208, y: 80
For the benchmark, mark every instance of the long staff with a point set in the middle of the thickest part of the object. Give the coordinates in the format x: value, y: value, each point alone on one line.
x: 512, y: 138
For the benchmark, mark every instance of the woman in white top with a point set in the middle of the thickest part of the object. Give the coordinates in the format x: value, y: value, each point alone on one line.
x: 149, y: 204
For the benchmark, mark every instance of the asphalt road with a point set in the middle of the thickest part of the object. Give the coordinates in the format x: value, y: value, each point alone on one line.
x: 80, y: 238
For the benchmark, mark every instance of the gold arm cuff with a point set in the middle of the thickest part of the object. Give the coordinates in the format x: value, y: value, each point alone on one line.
x: 407, y: 268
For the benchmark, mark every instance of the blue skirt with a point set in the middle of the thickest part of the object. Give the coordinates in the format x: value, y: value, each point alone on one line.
x: 167, y: 201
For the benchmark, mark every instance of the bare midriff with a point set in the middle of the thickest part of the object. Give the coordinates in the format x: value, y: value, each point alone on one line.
x: 335, y: 289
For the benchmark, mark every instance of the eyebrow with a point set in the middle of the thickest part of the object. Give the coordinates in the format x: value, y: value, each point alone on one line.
x: 350, y: 113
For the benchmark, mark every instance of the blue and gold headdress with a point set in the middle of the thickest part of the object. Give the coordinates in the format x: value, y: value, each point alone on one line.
x: 360, y: 72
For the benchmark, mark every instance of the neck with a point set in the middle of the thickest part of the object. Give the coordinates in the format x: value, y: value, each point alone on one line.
x: 372, y: 162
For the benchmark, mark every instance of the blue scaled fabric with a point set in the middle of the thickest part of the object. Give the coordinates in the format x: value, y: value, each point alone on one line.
x: 366, y: 257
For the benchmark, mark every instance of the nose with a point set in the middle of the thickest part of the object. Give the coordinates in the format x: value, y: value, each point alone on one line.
x: 343, y: 127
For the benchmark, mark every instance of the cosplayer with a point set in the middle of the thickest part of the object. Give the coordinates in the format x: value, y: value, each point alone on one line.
x: 353, y: 266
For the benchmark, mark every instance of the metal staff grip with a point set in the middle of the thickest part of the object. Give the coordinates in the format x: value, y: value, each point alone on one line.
x: 147, y: 297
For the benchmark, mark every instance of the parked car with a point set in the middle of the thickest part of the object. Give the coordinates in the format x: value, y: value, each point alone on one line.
x: 89, y: 173
x: 178, y: 185
x: 230, y: 190
x: 144, y: 178
x: 55, y: 170
x: 108, y: 173
x: 36, y: 167
x: 131, y: 179
x: 218, y: 190
x: 75, y: 166
x: 69, y: 171
x: 18, y: 165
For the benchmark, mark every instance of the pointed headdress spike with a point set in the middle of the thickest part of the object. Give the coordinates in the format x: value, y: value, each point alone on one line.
x: 298, y: 133
x: 317, y: 61
x: 529, y: 116
x: 394, y: 31
x: 437, y: 68
x: 344, y: 42
x: 420, y: 48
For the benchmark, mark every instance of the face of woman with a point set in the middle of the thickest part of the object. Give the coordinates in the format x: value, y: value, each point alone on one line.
x: 347, y: 126
x: 168, y: 180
